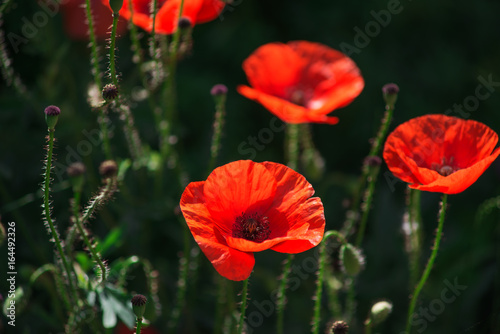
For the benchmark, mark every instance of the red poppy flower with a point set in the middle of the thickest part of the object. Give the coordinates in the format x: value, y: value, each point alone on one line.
x: 167, y: 17
x: 440, y: 153
x: 245, y: 207
x: 301, y: 82
x: 75, y: 20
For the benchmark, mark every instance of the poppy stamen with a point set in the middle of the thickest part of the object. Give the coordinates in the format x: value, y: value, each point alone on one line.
x: 251, y: 227
x: 446, y: 167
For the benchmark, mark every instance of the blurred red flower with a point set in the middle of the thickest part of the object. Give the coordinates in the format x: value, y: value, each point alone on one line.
x: 301, y: 82
x: 75, y: 20
x: 123, y: 329
x: 440, y: 153
x: 245, y: 207
x: 167, y: 16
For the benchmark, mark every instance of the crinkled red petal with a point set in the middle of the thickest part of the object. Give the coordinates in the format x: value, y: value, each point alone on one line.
x: 229, y: 262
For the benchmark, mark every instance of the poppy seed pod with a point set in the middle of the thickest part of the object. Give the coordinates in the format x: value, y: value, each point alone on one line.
x: 108, y: 168
x: 51, y: 116
x: 109, y: 92
x: 340, y: 327
x: 390, y: 92
x: 75, y: 172
x: 139, y: 305
x: 115, y: 5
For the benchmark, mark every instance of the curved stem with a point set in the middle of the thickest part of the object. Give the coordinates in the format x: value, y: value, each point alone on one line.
x: 95, y: 255
x: 429, y: 265
x: 243, y: 307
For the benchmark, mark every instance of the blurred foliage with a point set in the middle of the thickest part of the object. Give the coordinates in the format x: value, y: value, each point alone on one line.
x: 435, y: 52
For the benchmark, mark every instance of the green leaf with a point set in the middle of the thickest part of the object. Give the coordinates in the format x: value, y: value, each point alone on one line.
x: 108, y: 311
x: 113, y: 239
x: 122, y: 306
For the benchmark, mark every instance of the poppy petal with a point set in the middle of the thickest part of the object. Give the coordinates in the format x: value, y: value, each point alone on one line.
x: 459, y: 180
x: 229, y: 262
x: 240, y: 187
x: 417, y: 149
x: 273, y: 68
x: 285, y: 110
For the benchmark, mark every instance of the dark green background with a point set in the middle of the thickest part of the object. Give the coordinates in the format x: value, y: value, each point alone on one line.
x: 435, y: 52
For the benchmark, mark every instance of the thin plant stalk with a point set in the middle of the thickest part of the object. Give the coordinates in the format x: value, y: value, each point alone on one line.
x: 94, y: 60
x: 280, y: 306
x: 429, y: 265
x: 138, y: 326
x: 94, y: 253
x: 243, y: 308
x: 50, y: 223
x: 368, y: 175
x: 292, y: 149
x: 415, y: 234
x: 321, y: 274
x: 368, y: 199
x: 131, y: 134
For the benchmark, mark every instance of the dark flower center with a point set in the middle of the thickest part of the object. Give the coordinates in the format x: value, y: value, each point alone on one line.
x: 251, y: 227
x: 446, y: 167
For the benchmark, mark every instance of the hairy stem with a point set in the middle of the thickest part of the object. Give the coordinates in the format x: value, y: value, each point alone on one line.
x: 429, y: 265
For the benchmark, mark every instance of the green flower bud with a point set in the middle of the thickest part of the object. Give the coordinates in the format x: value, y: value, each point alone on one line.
x: 352, y: 260
x: 115, y: 5
x: 76, y: 173
x: 380, y: 311
x: 139, y: 305
x: 390, y: 92
x: 51, y: 116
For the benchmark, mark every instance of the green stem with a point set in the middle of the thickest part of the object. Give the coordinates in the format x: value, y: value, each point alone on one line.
x: 292, y: 142
x: 368, y: 198
x: 169, y: 89
x: 218, y: 125
x: 280, y: 306
x: 243, y: 307
x: 139, y: 326
x: 321, y: 274
x: 367, y: 174
x: 368, y: 327
x: 50, y: 223
x: 95, y: 255
x: 182, y: 282
x: 429, y: 265
x: 415, y: 234
x: 94, y: 60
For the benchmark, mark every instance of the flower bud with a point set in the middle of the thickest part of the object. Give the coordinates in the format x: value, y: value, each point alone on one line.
x: 108, y: 169
x: 115, y: 5
x: 184, y: 23
x: 380, y: 311
x: 139, y: 305
x: 390, y: 92
x: 352, y: 260
x: 75, y: 172
x: 218, y: 90
x: 51, y: 116
x: 109, y: 92
x: 340, y: 327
